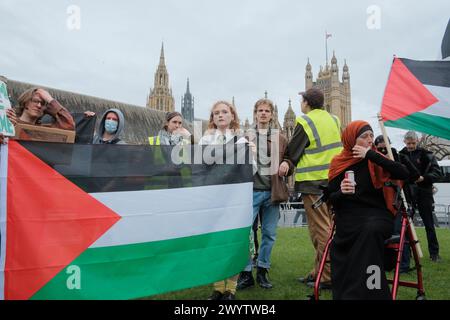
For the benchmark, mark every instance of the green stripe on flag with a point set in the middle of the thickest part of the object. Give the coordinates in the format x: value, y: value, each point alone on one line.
x: 144, y: 269
x: 419, y: 121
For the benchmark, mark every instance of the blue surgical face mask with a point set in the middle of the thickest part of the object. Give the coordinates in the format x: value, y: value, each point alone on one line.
x: 111, y: 126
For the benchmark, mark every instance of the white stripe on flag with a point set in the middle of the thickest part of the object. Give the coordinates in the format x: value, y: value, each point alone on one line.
x: 152, y: 215
x: 3, y: 194
x: 442, y: 107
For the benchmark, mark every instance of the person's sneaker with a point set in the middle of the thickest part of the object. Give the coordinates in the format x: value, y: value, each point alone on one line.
x: 306, y: 279
x: 435, y: 258
x: 245, y: 280
x: 323, y: 285
x: 227, y: 295
x: 216, y: 295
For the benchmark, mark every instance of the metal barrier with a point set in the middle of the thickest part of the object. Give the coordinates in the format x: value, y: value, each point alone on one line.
x: 441, y: 216
x: 292, y: 214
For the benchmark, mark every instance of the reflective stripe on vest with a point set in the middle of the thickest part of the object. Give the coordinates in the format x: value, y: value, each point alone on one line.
x: 151, y: 140
x: 323, y: 131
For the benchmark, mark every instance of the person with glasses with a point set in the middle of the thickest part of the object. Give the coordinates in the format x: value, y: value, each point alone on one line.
x: 34, y: 103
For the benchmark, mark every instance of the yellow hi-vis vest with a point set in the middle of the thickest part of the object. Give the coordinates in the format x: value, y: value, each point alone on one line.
x: 324, y: 133
x: 154, y: 141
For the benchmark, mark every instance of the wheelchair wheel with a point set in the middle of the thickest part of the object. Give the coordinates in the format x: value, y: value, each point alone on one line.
x: 421, y: 296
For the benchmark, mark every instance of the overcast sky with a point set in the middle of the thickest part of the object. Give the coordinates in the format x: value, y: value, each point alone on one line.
x: 227, y: 48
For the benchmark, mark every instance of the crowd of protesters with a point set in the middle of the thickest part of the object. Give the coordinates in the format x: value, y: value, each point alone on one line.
x: 318, y: 154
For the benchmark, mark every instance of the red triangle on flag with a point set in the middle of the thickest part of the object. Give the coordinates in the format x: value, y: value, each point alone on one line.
x: 404, y: 94
x: 50, y: 222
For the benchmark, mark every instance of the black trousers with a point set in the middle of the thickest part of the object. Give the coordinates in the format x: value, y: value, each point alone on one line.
x: 424, y: 205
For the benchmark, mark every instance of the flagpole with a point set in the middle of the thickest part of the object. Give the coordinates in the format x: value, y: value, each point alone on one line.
x: 326, y: 48
x: 391, y: 156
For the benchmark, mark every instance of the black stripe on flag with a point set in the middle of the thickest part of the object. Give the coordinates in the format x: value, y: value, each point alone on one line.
x: 434, y: 73
x: 110, y: 168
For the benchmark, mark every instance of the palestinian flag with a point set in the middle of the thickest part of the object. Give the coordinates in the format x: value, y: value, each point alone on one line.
x: 118, y: 221
x: 417, y: 97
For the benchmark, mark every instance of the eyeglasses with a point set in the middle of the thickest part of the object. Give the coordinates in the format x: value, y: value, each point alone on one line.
x: 38, y: 101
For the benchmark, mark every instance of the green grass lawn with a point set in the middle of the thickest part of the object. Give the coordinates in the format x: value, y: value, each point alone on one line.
x: 293, y: 256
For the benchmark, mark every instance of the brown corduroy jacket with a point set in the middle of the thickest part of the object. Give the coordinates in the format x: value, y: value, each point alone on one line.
x: 279, y: 188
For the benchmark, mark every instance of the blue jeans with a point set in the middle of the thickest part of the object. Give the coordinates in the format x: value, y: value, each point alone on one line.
x: 270, y: 214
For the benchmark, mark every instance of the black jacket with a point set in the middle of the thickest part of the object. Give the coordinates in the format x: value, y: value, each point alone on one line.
x: 426, y: 164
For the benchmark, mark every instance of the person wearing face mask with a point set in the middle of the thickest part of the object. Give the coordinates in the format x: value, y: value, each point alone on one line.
x: 364, y: 217
x: 381, y: 147
x: 110, y: 128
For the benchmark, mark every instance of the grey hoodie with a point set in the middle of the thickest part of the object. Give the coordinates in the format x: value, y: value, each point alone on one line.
x: 101, y: 129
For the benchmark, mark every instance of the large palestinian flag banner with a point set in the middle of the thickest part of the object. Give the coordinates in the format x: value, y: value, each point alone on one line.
x: 118, y: 221
x: 417, y: 96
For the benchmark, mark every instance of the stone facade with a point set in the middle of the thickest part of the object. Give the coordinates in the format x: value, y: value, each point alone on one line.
x: 160, y: 97
x: 337, y: 94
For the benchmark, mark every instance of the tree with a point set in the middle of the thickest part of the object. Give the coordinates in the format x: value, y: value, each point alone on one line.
x: 439, y: 146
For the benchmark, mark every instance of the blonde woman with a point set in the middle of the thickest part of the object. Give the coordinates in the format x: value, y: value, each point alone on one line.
x: 223, y: 128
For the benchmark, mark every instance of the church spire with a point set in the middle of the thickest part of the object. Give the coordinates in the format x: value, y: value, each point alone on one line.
x: 308, y: 76
x: 160, y: 97
x: 187, y: 104
x: 161, y: 57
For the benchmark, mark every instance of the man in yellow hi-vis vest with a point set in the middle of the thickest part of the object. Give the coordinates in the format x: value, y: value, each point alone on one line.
x: 316, y: 140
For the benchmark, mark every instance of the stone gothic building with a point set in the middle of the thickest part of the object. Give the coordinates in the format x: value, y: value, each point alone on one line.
x: 187, y: 105
x: 337, y: 93
x: 289, y: 122
x: 160, y: 97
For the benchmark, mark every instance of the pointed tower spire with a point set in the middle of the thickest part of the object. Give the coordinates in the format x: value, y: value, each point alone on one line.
x: 289, y: 121
x: 161, y: 58
x: 161, y: 97
x: 265, y: 94
x: 308, y: 76
x: 187, y: 104
x: 333, y: 59
x: 345, y: 65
